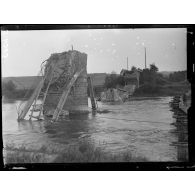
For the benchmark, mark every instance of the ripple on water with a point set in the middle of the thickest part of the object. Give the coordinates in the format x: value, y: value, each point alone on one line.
x: 107, y: 130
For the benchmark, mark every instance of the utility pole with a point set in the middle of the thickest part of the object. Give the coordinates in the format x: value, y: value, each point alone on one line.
x: 72, y: 47
x: 145, y: 56
x: 127, y: 64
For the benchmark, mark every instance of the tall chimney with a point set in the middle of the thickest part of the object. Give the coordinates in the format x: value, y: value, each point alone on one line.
x: 127, y: 64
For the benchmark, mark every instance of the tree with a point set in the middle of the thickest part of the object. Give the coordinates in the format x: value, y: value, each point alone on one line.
x: 113, y: 72
x: 178, y: 76
x: 8, y: 88
x: 145, y: 76
x: 121, y: 80
x: 111, y: 81
x: 153, y: 67
x: 133, y: 68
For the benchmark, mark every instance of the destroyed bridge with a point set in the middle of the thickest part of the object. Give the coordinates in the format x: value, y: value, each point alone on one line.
x: 63, y: 87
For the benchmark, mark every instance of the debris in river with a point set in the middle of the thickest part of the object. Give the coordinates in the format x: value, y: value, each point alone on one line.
x: 111, y: 95
x: 181, y: 124
x: 103, y: 111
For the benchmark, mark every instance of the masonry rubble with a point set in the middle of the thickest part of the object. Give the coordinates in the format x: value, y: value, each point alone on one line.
x: 111, y: 95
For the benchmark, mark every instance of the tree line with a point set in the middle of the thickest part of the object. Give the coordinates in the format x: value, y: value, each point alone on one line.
x: 150, y: 80
x: 178, y: 76
x: 146, y: 75
x: 10, y: 91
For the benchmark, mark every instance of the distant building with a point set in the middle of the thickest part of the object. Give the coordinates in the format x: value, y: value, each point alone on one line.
x: 131, y: 77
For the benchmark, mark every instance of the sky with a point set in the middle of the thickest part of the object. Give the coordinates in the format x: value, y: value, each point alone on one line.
x: 107, y: 49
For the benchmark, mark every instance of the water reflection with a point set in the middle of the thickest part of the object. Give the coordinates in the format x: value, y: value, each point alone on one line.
x: 37, y: 126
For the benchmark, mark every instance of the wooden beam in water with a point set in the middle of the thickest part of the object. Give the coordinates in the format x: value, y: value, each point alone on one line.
x: 45, y: 94
x: 30, y: 101
x: 33, y: 97
x: 91, y: 92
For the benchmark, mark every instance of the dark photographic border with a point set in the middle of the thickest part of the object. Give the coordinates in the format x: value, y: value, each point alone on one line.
x: 126, y: 165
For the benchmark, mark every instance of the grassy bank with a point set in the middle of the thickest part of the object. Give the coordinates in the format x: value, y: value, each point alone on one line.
x: 161, y: 90
x: 83, y: 152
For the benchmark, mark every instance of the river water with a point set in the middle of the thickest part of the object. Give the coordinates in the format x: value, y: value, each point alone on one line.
x: 144, y: 127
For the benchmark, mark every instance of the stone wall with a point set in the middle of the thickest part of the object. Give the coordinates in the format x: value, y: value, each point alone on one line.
x: 65, y: 65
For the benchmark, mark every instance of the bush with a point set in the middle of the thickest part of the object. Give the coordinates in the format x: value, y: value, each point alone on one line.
x: 8, y: 89
x: 10, y: 92
x: 177, y: 76
x: 147, y: 89
x: 111, y: 81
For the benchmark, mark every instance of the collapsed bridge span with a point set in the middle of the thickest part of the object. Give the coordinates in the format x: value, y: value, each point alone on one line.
x: 63, y: 87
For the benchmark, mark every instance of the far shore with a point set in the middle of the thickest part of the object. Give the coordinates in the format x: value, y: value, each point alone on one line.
x: 143, y: 97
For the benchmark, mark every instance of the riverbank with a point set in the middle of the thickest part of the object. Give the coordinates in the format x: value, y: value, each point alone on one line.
x: 82, y: 152
x: 18, y: 94
x: 173, y: 89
